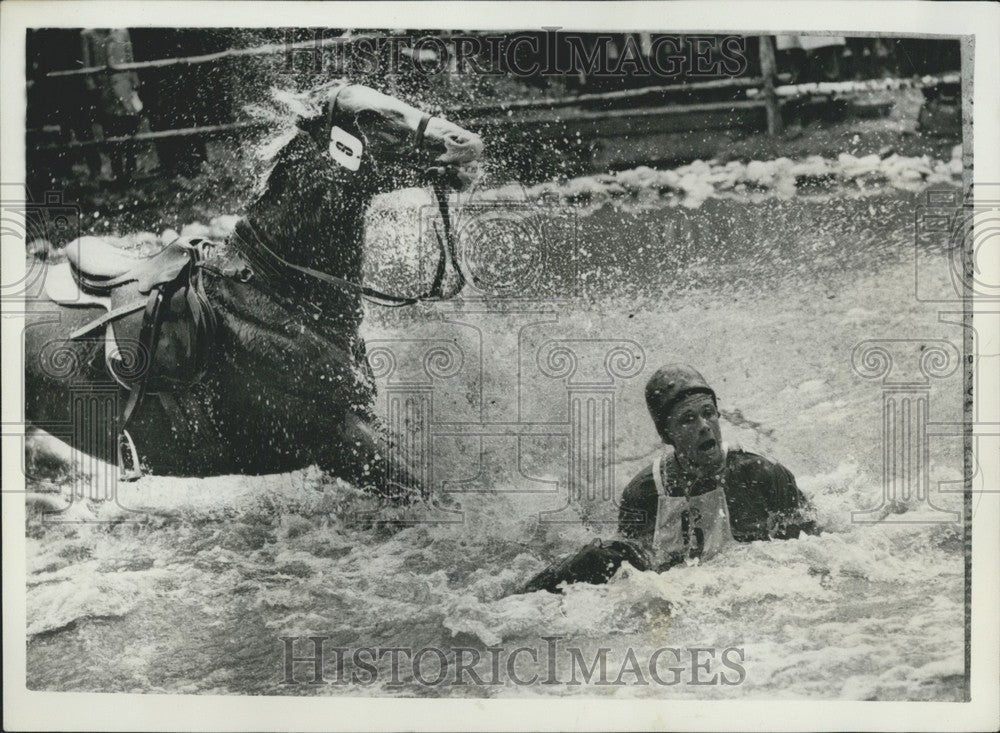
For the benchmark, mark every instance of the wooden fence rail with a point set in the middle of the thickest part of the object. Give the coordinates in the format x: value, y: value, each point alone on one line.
x: 736, y: 84
x: 761, y: 89
x: 269, y: 49
x: 479, y: 113
x: 204, y: 131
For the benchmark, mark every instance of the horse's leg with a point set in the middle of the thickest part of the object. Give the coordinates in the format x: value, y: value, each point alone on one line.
x: 46, y: 457
x: 379, y: 462
x: 62, y: 391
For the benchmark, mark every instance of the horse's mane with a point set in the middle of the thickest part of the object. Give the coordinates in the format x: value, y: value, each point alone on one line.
x: 306, y: 207
x: 285, y: 110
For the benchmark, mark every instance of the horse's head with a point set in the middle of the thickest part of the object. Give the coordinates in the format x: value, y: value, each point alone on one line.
x: 351, y: 142
x: 296, y: 320
x: 391, y: 143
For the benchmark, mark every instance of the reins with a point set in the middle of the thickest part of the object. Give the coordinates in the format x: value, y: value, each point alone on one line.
x: 248, y: 235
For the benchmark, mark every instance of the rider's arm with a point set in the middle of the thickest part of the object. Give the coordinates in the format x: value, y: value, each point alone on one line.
x: 764, y: 502
x: 790, y: 513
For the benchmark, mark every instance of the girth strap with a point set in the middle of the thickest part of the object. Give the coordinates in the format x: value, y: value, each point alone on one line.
x: 128, y: 458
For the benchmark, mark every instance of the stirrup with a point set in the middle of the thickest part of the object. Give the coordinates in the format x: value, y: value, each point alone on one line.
x: 128, y: 458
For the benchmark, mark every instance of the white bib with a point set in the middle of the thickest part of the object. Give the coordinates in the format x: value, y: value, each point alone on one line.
x: 695, y: 527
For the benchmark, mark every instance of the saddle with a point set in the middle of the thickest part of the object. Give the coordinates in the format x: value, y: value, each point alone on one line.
x: 169, y: 343
x: 94, y: 258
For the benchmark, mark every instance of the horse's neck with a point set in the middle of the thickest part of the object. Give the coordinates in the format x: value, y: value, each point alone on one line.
x: 312, y: 211
x: 265, y: 339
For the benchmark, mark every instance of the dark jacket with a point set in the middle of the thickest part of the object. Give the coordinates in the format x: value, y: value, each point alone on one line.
x: 763, y: 500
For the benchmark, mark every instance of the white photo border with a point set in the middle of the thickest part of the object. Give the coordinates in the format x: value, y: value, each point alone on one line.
x: 32, y: 710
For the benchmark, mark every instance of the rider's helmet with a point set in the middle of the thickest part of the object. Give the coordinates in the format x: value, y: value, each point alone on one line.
x: 668, y: 386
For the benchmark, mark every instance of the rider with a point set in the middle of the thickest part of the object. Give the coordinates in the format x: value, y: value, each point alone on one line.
x: 695, y: 498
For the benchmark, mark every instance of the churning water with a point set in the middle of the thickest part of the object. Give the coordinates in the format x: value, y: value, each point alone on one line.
x: 768, y: 297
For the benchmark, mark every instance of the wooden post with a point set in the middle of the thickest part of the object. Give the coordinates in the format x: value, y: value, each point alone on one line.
x: 769, y: 71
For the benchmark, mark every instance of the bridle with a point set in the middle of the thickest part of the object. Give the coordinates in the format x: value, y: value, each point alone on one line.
x: 446, y: 245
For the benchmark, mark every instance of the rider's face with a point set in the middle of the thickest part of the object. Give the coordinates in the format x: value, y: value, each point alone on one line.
x: 693, y: 430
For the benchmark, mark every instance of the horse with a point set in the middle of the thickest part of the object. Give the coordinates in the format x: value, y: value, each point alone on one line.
x: 244, y: 356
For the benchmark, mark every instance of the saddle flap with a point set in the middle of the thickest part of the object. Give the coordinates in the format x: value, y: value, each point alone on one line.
x: 172, y: 335
x: 180, y: 337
